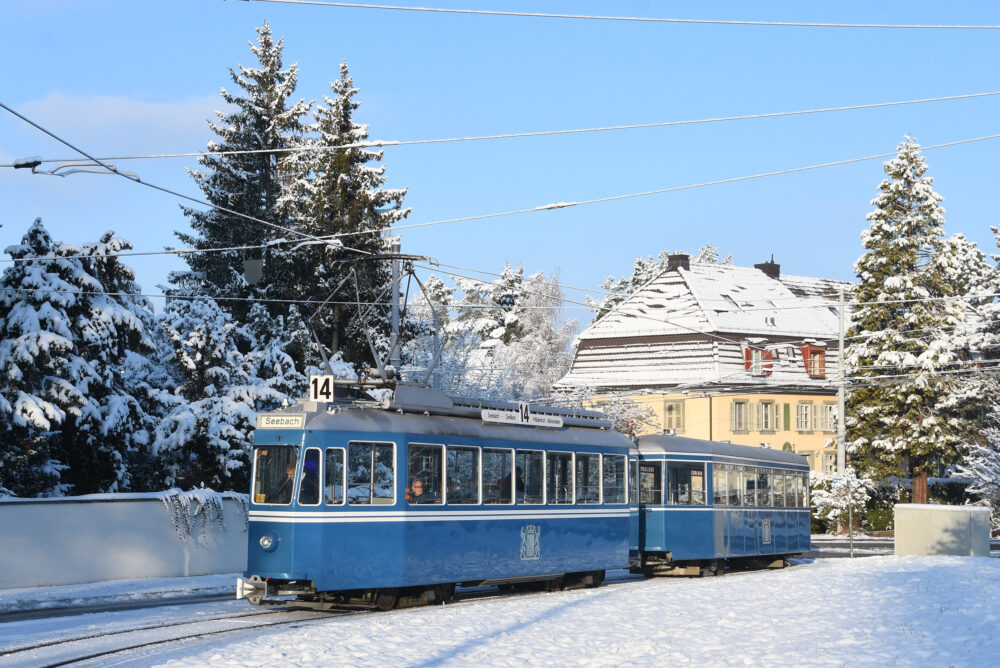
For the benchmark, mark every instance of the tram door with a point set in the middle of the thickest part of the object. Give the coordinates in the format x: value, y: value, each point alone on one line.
x: 651, y: 521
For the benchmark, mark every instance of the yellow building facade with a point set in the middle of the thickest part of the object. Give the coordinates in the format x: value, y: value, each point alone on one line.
x: 805, y: 424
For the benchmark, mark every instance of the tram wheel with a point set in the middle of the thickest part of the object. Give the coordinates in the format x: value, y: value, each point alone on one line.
x: 386, y: 599
x: 444, y: 593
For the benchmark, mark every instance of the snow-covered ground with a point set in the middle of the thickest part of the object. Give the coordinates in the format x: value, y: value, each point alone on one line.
x: 914, y: 611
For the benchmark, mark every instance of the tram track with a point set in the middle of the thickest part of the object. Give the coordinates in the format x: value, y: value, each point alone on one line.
x: 88, y: 650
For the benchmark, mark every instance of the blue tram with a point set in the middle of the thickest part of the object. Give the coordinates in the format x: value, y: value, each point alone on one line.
x: 395, y: 504
x: 702, y: 504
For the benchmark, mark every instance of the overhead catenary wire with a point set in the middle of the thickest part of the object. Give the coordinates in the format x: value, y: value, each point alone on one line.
x: 135, y: 179
x: 633, y: 19
x: 382, y: 143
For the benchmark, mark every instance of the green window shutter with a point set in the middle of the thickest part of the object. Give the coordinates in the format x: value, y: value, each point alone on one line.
x: 788, y: 417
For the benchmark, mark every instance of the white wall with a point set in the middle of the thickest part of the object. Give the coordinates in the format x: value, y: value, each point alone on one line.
x: 922, y: 529
x: 113, y: 537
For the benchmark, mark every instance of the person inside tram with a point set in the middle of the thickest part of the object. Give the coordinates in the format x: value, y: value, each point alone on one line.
x: 503, y: 485
x: 419, y: 493
x: 282, y: 491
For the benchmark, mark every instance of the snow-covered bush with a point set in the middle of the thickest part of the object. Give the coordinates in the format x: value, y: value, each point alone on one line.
x: 833, y: 496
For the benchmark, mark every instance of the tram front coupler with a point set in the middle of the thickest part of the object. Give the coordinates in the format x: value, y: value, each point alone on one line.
x: 253, y: 589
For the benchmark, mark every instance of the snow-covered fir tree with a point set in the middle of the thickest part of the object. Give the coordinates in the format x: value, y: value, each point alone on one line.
x: 111, y: 328
x: 838, y: 498
x: 900, y: 408
x: 345, y: 195
x: 72, y: 324
x: 205, y: 440
x: 261, y: 117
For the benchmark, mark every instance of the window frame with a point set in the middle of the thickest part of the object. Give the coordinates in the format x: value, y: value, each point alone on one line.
x: 673, y: 415
x: 691, y: 466
x: 302, y: 476
x: 296, y: 450
x: 371, y: 482
x: 440, y: 492
x: 479, y: 475
x: 576, y: 478
x: 808, y: 415
x: 343, y: 476
x: 767, y: 417
x: 513, y: 468
x: 572, y: 483
x: 542, y: 502
x: 735, y: 426
x: 717, y: 499
x: 659, y: 466
x: 625, y: 475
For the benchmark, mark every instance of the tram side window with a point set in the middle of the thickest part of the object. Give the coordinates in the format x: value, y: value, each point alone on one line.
x: 613, y: 468
x: 735, y: 485
x: 371, y: 473
x: 588, y: 478
x: 720, y: 484
x: 749, y: 486
x: 685, y: 484
x: 764, y: 478
x: 309, y: 486
x: 333, y: 474
x: 462, y: 470
x: 426, y: 473
x: 498, y: 475
x: 779, y: 489
x: 274, y: 475
x: 803, y: 490
x: 650, y: 483
x: 529, y: 467
x: 559, y: 484
x: 633, y: 477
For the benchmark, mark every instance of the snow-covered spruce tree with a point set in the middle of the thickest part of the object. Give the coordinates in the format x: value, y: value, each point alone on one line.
x: 270, y: 360
x: 205, y: 439
x: 900, y: 338
x: 261, y: 119
x: 111, y: 327
x: 344, y: 196
x: 39, y: 372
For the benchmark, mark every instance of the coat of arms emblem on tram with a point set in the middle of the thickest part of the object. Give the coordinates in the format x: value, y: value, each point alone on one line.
x: 531, y: 549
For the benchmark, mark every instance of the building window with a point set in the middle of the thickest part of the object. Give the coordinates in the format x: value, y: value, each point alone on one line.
x: 803, y: 417
x: 829, y: 462
x: 766, y: 416
x: 815, y: 361
x: 739, y: 416
x: 673, y: 415
x: 828, y: 419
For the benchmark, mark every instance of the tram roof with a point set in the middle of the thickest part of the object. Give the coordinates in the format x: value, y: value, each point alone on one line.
x: 667, y: 444
x: 376, y: 421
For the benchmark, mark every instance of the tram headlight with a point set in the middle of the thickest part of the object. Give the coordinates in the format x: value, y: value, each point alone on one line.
x: 268, y: 542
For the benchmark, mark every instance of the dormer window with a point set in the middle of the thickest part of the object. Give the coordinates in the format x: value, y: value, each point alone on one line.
x: 815, y: 360
x: 758, y: 362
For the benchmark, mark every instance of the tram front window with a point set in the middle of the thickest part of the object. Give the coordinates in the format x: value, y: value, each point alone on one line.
x: 274, y: 475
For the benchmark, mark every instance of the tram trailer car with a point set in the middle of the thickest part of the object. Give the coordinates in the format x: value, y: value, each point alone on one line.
x: 395, y: 504
x: 704, y: 504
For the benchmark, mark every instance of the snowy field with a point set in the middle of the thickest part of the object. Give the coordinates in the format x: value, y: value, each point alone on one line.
x: 893, y: 611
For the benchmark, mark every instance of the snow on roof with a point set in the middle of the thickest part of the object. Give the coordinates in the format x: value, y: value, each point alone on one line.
x: 723, y: 299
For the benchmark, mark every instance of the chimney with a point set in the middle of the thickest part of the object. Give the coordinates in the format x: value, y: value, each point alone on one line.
x: 772, y: 268
x: 678, y: 260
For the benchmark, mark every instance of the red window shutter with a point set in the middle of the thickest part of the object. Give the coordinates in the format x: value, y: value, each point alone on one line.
x: 747, y: 358
x: 767, y: 362
x: 822, y: 363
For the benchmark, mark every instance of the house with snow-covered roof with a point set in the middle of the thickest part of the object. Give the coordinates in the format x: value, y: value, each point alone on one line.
x: 724, y: 353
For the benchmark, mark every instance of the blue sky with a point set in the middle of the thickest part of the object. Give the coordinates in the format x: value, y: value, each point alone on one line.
x: 143, y: 77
